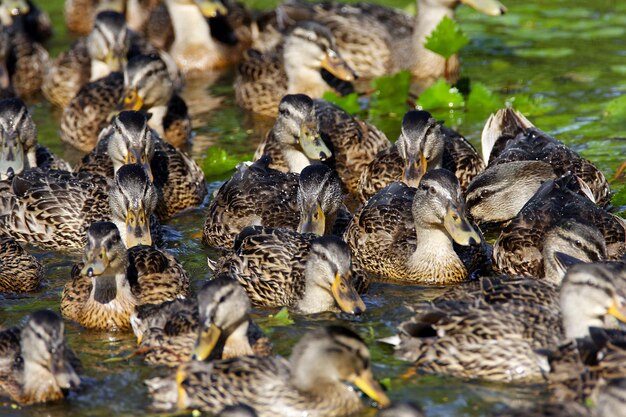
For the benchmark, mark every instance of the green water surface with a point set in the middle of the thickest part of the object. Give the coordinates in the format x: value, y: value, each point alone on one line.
x: 561, y: 60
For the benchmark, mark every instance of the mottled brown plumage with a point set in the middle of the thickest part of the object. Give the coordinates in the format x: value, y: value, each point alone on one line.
x: 19, y: 270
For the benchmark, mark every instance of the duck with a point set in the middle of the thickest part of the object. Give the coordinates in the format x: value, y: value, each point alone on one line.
x: 37, y: 363
x: 378, y: 40
x: 496, y: 341
x: 79, y: 15
x: 216, y: 326
x: 201, y: 36
x: 309, y: 130
x: 53, y: 209
x: 525, y: 240
x: 301, y: 63
x: 283, y: 268
x: 112, y: 280
x: 20, y: 149
x: 19, y: 270
x: 312, y: 381
x: 25, y: 60
x: 423, y: 145
x: 90, y: 58
x: 508, y: 136
x: 150, y: 87
x: 407, y: 234
x: 310, y: 202
x: 129, y: 138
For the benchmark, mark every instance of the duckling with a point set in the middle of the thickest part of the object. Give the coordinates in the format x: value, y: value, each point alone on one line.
x: 25, y: 59
x: 174, y: 332
x: 557, y: 212
x: 496, y: 343
x: 258, y: 195
x: 279, y: 267
x: 378, y: 40
x: 129, y: 139
x: 407, y: 234
x: 508, y: 136
x: 20, y: 149
x: 90, y: 58
x: 149, y: 87
x: 112, y: 280
x: 19, y: 270
x: 306, y: 130
x: 53, y: 209
x: 294, y: 66
x: 423, y: 144
x: 188, y: 31
x: 311, y: 382
x: 37, y: 364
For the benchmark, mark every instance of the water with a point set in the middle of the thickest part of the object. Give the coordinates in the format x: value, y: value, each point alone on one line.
x: 567, y: 56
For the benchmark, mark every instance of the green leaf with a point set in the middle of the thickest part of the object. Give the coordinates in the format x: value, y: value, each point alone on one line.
x: 218, y: 162
x: 349, y: 103
x: 615, y: 110
x: 446, y: 39
x: 482, y: 101
x: 619, y: 198
x: 440, y: 95
x: 386, y: 382
x: 388, y: 103
x: 280, y: 319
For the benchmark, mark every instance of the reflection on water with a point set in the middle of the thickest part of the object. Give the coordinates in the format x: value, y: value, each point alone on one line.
x: 568, y: 56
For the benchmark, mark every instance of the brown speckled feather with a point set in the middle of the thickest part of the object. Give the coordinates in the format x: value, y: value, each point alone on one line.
x: 67, y: 74
x: 518, y: 250
x: 19, y: 270
x: 89, y: 110
x: 30, y: 65
x: 269, y: 265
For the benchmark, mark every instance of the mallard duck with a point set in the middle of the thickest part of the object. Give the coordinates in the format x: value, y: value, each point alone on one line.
x: 24, y: 59
x: 173, y: 332
x: 198, y: 34
x: 112, y: 280
x: 378, y: 40
x: 347, y: 143
x: 556, y: 212
x: 53, y: 209
x: 90, y: 58
x: 18, y: 135
x: 407, y: 234
x: 311, y: 382
x: 149, y: 87
x: 280, y: 267
x: 423, y: 144
x: 258, y: 195
x: 294, y: 66
x: 129, y: 139
x: 508, y: 136
x: 37, y: 364
x: 496, y: 341
x: 19, y: 270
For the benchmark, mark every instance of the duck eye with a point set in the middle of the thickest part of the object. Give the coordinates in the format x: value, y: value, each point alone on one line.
x: 578, y: 244
x: 485, y: 193
x: 432, y: 190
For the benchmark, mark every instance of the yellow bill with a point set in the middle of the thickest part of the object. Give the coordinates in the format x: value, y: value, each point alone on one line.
x: 370, y: 387
x: 337, y: 66
x: 212, y: 8
x: 414, y: 170
x: 137, y: 228
x: 313, y: 220
x: 206, y: 342
x: 488, y: 7
x: 458, y: 227
x: 346, y: 296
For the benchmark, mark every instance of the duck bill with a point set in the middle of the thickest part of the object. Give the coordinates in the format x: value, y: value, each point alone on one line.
x: 11, y: 155
x: 96, y: 263
x: 370, y: 387
x: 182, y: 399
x: 211, y: 9
x: 206, y: 342
x: 132, y: 101
x: 414, y: 170
x: 313, y: 220
x: 137, y: 228
x: 346, y: 296
x: 312, y: 144
x: 458, y: 227
x: 488, y: 7
x: 617, y: 310
x: 135, y: 156
x: 335, y: 64
x: 18, y: 7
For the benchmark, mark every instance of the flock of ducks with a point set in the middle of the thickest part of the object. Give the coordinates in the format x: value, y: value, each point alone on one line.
x: 329, y: 206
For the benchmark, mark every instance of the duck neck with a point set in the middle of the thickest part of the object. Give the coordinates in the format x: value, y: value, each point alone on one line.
x: 39, y: 384
x: 156, y: 121
x: 99, y: 69
x: 237, y: 343
x: 301, y: 78
x: 193, y: 44
x: 434, y: 255
x: 315, y: 298
x: 296, y: 160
